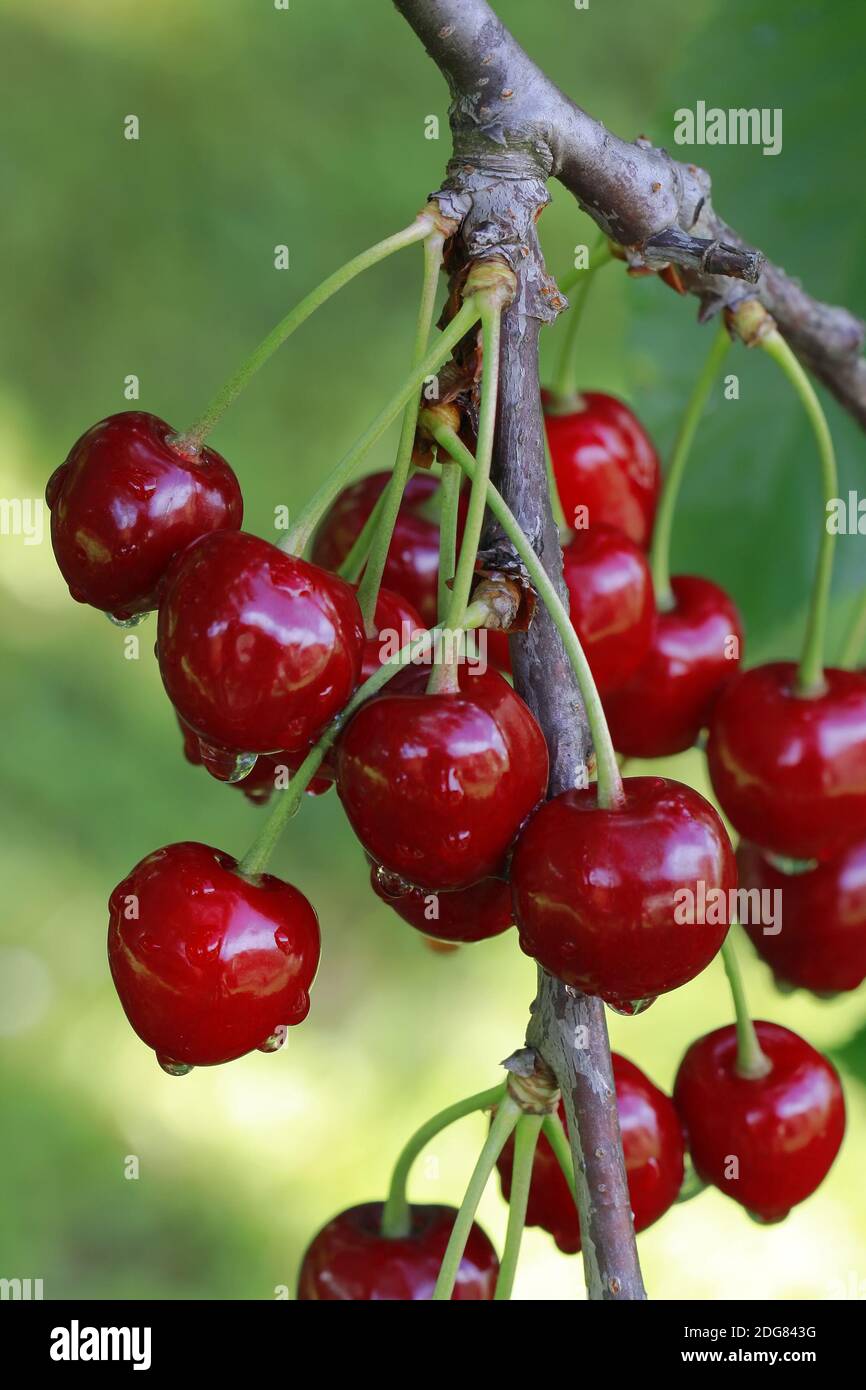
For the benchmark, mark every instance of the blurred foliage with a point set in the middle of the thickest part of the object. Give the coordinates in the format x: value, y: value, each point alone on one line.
x: 306, y: 127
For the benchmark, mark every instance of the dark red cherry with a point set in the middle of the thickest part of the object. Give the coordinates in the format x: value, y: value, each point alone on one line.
x: 766, y: 1142
x: 208, y: 964
x: 258, y: 649
x: 396, y: 623
x: 412, y: 567
x: 350, y: 1261
x: 436, y: 787
x: 269, y: 771
x: 461, y: 915
x: 790, y: 773
x: 817, y: 938
x: 652, y: 1141
x: 604, y: 464
x: 125, y: 502
x: 694, y: 650
x: 627, y: 903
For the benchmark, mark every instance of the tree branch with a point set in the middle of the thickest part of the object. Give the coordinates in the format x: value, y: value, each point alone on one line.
x: 660, y: 210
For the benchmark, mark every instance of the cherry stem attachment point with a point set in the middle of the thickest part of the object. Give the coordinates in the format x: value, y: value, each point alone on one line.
x: 193, y: 438
x: 396, y: 1219
x: 752, y: 1062
x: 525, y: 1139
x: 610, y: 793
x: 508, y: 1112
x: 660, y: 553
x: 368, y: 591
x: 565, y: 380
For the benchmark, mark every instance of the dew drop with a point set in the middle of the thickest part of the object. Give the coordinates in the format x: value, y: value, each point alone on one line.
x: 173, y: 1068
x: 225, y: 765
x: 135, y: 621
x: 275, y: 1041
x: 391, y: 884
x: 630, y: 1008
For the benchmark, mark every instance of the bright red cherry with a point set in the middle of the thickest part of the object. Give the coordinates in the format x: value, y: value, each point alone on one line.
x: 611, y: 604
x: 604, y: 462
x: 258, y: 649
x: 125, y: 502
x: 436, y: 787
x: 627, y: 903
x: 268, y: 772
x: 350, y: 1261
x: 461, y: 915
x: 208, y: 964
x: 652, y: 1141
x: 789, y: 772
x: 412, y: 567
x: 766, y: 1142
x: 820, y: 943
x: 396, y: 623
x: 694, y: 649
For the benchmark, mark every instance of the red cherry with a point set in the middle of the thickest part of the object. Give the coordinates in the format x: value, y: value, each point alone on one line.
x: 396, y: 623
x: 125, y: 502
x: 768, y: 1143
x: 350, y: 1261
x: 821, y: 944
x: 604, y: 461
x: 209, y: 965
x: 258, y: 649
x: 604, y: 898
x: 790, y: 773
x: 260, y: 783
x: 437, y: 786
x: 652, y: 1141
x: 412, y: 567
x: 694, y: 650
x: 464, y: 914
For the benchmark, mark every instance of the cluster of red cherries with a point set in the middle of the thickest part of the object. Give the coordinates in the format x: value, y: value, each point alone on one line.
x: 260, y: 650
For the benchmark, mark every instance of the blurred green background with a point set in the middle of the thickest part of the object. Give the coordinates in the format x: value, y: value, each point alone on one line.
x: 306, y: 127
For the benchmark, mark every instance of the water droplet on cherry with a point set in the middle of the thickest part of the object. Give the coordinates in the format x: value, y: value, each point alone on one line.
x: 173, y: 1068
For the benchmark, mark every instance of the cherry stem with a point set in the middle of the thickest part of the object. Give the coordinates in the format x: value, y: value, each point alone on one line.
x: 810, y: 675
x: 449, y: 497
x: 193, y: 438
x: 609, y: 788
x: 525, y: 1139
x: 368, y: 591
x: 444, y: 676
x: 256, y: 858
x: 660, y: 553
x: 692, y: 1184
x: 752, y: 1061
x: 396, y: 1218
x: 565, y: 380
x: 353, y: 564
x: 855, y: 638
x: 508, y: 1112
x: 554, y: 1132
x: 297, y: 539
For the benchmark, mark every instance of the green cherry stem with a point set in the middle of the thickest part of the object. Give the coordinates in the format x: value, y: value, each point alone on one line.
x: 660, y: 553
x: 422, y: 226
x: 368, y: 591
x: 396, y: 1219
x: 752, y: 1062
x: 449, y: 495
x: 525, y: 1139
x: 297, y: 539
x: 353, y: 564
x: 855, y: 638
x: 565, y: 379
x: 256, y: 858
x: 444, y: 677
x: 609, y: 787
x: 810, y: 675
x: 554, y: 1132
x: 507, y: 1114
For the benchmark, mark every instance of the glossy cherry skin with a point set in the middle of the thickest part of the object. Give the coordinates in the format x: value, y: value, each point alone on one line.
x: 652, y: 1141
x: 209, y: 965
x: 599, y: 894
x: 125, y: 502
x: 790, y: 773
x: 694, y: 650
x: 822, y: 942
x: 412, y: 567
x: 269, y: 770
x: 784, y: 1129
x: 350, y: 1261
x: 258, y: 649
x: 436, y: 787
x: 396, y: 623
x: 461, y: 915
x: 604, y: 461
